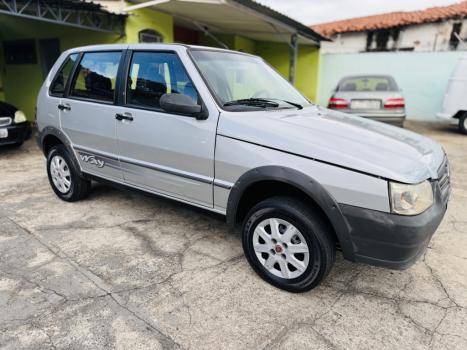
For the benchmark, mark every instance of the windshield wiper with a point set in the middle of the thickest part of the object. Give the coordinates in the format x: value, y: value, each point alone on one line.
x: 261, y: 102
x: 298, y: 106
x: 255, y: 102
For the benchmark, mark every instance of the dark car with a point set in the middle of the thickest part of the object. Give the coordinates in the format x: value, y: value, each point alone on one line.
x: 14, y: 127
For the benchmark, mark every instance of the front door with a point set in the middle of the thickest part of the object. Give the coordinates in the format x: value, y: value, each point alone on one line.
x: 88, y: 114
x: 166, y: 153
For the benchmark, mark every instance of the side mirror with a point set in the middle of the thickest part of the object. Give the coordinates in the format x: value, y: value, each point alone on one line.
x: 178, y: 103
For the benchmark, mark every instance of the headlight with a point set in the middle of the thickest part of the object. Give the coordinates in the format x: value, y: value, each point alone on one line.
x: 410, y: 199
x: 20, y: 117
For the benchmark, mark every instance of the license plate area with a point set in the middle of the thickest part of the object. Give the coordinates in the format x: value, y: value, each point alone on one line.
x: 3, y: 133
x: 365, y: 104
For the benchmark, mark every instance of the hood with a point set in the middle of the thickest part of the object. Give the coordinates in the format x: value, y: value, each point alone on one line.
x: 7, y: 110
x: 341, y: 139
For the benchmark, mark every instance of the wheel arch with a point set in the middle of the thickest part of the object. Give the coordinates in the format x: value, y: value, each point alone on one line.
x: 272, y: 181
x: 459, y: 113
x: 50, y: 137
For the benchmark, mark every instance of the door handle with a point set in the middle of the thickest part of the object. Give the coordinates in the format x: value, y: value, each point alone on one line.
x: 126, y: 116
x: 64, y: 107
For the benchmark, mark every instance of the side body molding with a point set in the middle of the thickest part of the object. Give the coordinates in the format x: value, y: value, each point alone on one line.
x: 302, y: 182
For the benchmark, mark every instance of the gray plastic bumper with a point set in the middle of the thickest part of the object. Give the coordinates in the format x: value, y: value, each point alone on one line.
x: 389, y: 240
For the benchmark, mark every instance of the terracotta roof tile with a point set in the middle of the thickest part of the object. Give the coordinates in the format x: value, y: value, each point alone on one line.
x: 393, y: 19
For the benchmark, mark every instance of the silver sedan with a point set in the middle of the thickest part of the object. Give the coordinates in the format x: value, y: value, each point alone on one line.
x: 372, y: 96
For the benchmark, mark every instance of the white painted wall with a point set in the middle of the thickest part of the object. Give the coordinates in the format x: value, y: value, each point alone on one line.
x: 423, y: 38
x: 422, y: 76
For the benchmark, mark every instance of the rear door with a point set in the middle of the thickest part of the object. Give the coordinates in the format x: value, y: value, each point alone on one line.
x: 165, y: 153
x: 88, y: 113
x: 49, y: 102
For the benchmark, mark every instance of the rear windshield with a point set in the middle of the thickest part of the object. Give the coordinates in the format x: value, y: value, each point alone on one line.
x: 367, y: 83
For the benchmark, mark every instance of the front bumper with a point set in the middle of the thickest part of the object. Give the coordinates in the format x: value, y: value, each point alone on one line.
x: 390, y: 240
x: 17, y: 134
x: 446, y: 117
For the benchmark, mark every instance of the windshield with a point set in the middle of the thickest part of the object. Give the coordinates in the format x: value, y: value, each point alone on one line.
x: 240, y: 81
x: 367, y: 83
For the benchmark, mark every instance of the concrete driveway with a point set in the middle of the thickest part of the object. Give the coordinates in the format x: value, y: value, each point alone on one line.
x: 129, y: 271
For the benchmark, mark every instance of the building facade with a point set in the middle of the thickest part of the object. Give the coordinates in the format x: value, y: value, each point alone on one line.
x: 429, y: 37
x: 419, y: 49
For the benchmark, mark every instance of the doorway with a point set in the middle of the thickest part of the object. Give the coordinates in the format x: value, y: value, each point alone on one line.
x: 49, y: 51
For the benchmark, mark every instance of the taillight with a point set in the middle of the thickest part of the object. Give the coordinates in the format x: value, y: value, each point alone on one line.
x: 394, y: 103
x: 337, y: 103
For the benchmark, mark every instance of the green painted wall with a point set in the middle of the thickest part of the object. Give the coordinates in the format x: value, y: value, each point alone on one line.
x: 278, y: 56
x: 148, y: 19
x: 307, y: 77
x: 244, y: 44
x: 227, y: 39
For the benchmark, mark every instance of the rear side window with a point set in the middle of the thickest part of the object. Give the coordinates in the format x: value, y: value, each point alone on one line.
x: 367, y: 83
x: 96, y: 76
x: 153, y: 74
x: 60, y: 80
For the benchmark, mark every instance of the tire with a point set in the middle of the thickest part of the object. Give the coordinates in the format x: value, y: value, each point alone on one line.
x: 306, y: 270
x: 463, y: 123
x: 68, y: 185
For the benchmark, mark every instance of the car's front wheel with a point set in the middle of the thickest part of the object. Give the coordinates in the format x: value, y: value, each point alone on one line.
x: 64, y: 177
x: 463, y: 123
x: 288, y: 244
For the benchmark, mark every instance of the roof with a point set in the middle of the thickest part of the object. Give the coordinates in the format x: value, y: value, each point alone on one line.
x: 83, y: 5
x: 244, y: 17
x: 75, y: 13
x: 393, y: 19
x: 301, y: 28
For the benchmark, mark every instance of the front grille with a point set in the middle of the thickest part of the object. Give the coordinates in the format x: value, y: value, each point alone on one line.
x: 444, y: 180
x: 5, y: 121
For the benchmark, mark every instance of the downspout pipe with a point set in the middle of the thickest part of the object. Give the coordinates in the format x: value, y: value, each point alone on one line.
x: 293, y: 57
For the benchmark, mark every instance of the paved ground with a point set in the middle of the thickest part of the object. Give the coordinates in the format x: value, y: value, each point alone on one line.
x: 124, y: 270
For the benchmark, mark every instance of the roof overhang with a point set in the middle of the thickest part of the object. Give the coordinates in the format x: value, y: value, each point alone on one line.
x: 80, y: 14
x: 241, y: 17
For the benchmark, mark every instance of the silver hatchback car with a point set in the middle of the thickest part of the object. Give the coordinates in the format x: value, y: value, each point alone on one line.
x: 221, y: 130
x: 371, y: 96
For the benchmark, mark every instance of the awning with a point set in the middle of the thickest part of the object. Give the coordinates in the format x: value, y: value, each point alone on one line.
x: 76, y: 13
x: 242, y: 17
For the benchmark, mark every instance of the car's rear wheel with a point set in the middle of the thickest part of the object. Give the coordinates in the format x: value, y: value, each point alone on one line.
x: 288, y: 244
x: 463, y: 123
x: 64, y: 177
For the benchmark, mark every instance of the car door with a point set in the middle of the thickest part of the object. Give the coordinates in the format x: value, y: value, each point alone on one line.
x: 166, y: 153
x: 49, y: 106
x: 88, y: 113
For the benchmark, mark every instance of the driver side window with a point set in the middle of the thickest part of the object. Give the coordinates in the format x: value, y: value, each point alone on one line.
x: 153, y: 74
